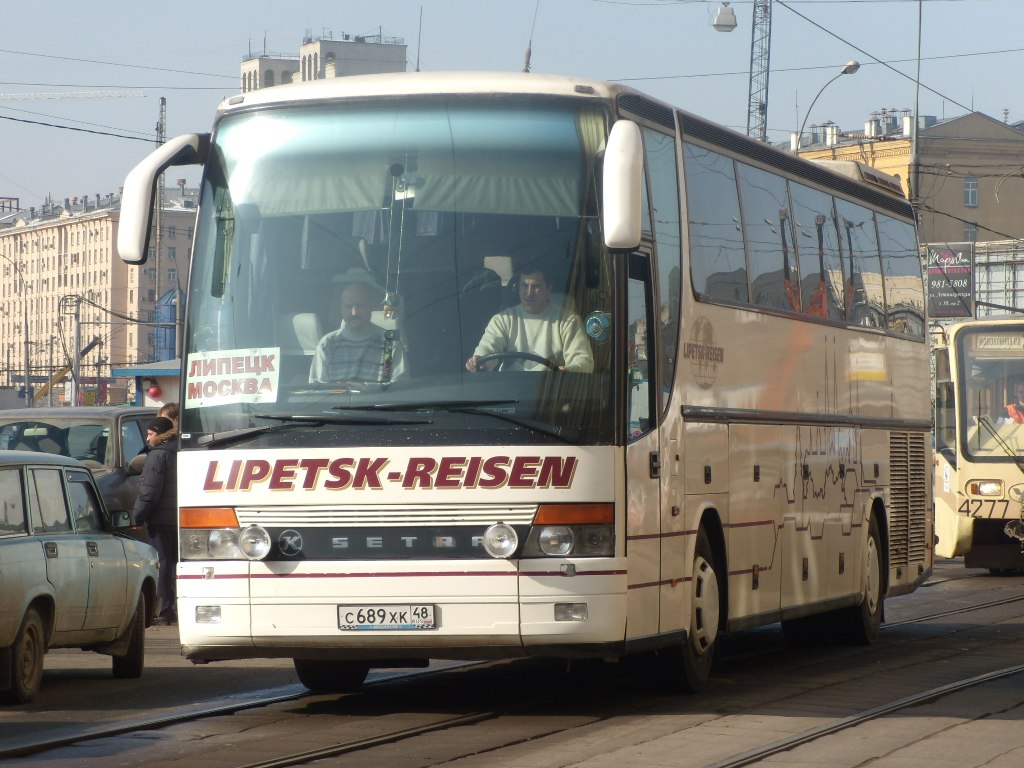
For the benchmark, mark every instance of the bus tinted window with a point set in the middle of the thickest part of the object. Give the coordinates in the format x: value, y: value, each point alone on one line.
x: 661, y: 159
x: 904, y: 294
x: 768, y: 233
x: 717, y: 262
x: 865, y: 296
x: 821, y: 270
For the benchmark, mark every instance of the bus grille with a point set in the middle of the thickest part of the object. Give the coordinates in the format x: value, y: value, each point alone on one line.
x: 908, y: 498
x: 386, y: 515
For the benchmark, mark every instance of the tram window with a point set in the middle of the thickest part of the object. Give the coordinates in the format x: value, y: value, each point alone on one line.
x: 717, y: 261
x: 904, y: 290
x: 767, y: 230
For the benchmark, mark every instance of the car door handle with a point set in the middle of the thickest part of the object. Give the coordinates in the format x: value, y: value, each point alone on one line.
x: 51, y: 548
x: 92, y: 548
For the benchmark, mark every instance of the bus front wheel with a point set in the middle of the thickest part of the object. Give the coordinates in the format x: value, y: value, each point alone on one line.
x: 322, y: 676
x: 692, y: 661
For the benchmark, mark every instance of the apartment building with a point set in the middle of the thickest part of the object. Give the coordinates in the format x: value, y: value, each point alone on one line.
x: 63, y: 278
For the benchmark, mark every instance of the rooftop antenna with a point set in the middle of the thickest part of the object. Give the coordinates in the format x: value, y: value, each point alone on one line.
x: 419, y: 40
x: 529, y: 45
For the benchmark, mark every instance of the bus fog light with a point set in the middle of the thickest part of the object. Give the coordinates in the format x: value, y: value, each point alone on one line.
x: 556, y: 540
x: 208, y: 614
x: 223, y: 543
x: 500, y: 540
x: 254, y: 542
x: 570, y: 611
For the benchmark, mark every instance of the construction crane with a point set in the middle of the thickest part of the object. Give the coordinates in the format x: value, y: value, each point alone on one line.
x: 760, y: 55
x: 60, y: 374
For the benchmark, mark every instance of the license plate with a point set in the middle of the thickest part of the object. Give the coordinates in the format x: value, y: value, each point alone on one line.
x: 385, y: 617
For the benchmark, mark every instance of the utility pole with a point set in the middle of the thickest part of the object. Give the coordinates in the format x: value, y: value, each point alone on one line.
x: 161, y: 139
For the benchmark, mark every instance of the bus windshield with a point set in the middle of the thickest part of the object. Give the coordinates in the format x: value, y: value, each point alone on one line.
x: 992, y: 391
x: 434, y: 266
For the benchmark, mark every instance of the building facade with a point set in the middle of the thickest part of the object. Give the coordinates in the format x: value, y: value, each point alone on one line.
x: 325, y: 57
x: 970, y: 172
x: 63, y: 279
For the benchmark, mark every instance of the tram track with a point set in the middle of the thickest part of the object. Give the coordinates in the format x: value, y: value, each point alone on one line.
x: 394, y: 735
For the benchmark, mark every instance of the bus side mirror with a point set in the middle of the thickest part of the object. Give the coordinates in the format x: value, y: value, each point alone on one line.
x: 622, y: 177
x: 140, y: 189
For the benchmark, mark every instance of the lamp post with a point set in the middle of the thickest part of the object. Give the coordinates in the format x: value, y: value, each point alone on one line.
x: 850, y: 68
x: 24, y: 300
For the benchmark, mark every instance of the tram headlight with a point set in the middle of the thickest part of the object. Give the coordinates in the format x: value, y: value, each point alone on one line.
x: 985, y: 487
x: 254, y: 542
x: 500, y: 540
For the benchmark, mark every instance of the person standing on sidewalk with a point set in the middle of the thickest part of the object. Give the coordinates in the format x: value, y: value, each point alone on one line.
x: 157, y: 508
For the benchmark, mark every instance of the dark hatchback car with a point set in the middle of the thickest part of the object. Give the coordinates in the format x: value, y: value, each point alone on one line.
x: 68, y: 577
x: 104, y: 438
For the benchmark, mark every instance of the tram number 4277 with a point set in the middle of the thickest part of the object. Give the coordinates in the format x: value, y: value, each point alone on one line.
x: 985, y: 507
x: 386, y: 617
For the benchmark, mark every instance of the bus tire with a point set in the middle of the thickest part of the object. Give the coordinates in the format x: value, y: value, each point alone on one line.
x: 27, y: 660
x: 692, y: 661
x: 862, y: 623
x: 323, y: 676
x: 131, y: 664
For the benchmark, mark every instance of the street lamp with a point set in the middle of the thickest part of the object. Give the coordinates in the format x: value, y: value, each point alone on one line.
x: 24, y: 327
x: 725, y: 19
x: 850, y: 68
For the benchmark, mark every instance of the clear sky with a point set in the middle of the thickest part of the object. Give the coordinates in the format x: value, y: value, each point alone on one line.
x: 139, y: 51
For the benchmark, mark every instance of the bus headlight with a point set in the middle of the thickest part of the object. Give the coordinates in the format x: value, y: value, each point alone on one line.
x: 500, y: 540
x: 223, y: 544
x: 556, y: 540
x: 254, y: 543
x: 572, y: 530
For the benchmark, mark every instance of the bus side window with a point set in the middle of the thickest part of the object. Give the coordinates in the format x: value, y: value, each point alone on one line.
x: 640, y: 362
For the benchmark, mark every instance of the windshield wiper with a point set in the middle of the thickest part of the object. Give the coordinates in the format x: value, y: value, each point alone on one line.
x: 295, y: 420
x: 425, y: 405
x: 987, y: 423
x: 475, y: 407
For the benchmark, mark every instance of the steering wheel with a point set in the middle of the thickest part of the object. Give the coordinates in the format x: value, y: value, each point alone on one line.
x: 502, y: 356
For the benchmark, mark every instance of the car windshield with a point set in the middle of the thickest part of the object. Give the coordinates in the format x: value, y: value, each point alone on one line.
x: 83, y: 439
x: 379, y: 253
x: 992, y: 378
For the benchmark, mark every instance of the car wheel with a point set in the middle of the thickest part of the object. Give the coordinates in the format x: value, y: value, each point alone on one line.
x: 323, y: 676
x: 130, y: 665
x: 27, y: 659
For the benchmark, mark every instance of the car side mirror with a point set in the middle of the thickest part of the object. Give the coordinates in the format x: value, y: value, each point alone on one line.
x: 135, y: 465
x: 120, y: 519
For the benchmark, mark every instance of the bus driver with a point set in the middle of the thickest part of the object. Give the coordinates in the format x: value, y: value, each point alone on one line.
x: 539, y: 326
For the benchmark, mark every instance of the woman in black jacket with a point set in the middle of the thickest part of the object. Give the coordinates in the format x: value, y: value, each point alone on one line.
x: 157, y: 508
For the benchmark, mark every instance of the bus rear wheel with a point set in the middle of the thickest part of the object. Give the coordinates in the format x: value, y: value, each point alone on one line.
x: 861, y: 623
x: 328, y: 676
x: 691, y: 662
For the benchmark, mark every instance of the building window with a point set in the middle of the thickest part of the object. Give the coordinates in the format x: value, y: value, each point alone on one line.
x: 971, y: 191
x: 970, y: 232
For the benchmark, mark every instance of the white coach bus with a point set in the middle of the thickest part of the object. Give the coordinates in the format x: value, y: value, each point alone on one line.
x: 725, y: 422
x: 979, y: 442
